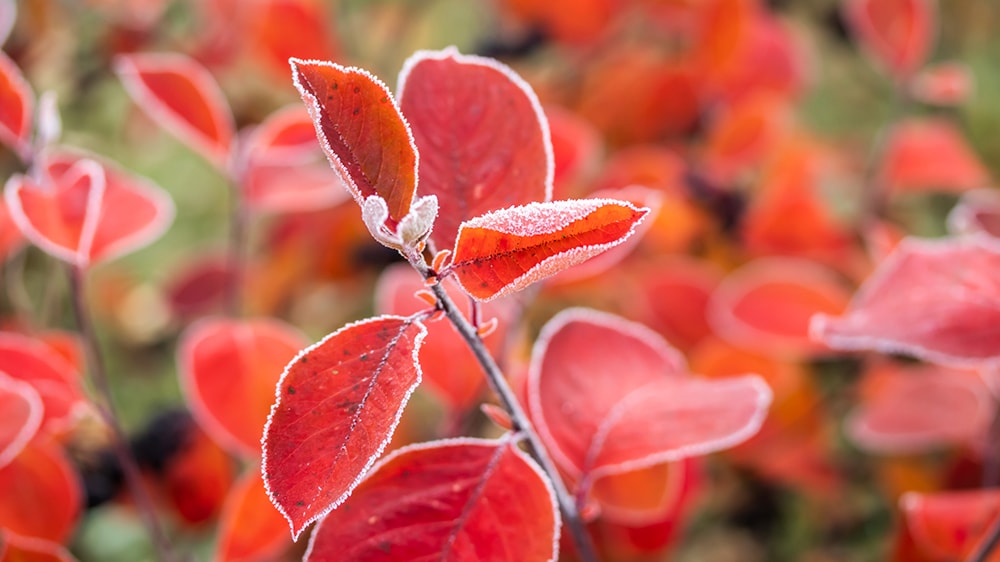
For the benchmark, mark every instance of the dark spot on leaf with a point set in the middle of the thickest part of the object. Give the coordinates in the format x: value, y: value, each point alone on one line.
x: 384, y: 99
x: 333, y: 85
x: 364, y: 357
x: 357, y: 110
x: 304, y: 359
x: 300, y: 503
x: 291, y: 389
x: 385, y: 546
x: 357, y: 90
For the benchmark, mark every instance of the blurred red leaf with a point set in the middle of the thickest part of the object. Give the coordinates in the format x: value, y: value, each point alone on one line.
x: 250, y: 529
x: 946, y: 84
x: 286, y: 170
x: 722, y: 38
x: 15, y: 548
x: 40, y: 493
x: 461, y: 499
x: 949, y: 525
x: 483, y: 138
x: 86, y: 210
x: 610, y: 396
x: 897, y: 34
x: 913, y: 410
x: 182, y: 97
x: 977, y: 211
x: 11, y: 238
x: 636, y: 94
x: 504, y: 251
x: 568, y: 21
x: 228, y: 370
x: 742, y: 134
x: 934, y: 299
x: 282, y: 29
x: 21, y: 413
x: 337, y: 405
x: 672, y: 296
x: 927, y: 154
x: 55, y: 380
x: 195, y: 480
x: 773, y: 61
x: 767, y: 304
x: 576, y: 148
x: 17, y: 108
x: 641, y: 496
x: 788, y: 215
x: 362, y: 132
x: 450, y: 370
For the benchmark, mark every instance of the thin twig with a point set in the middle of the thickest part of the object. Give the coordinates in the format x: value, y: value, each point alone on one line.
x: 237, y: 250
x: 105, y: 407
x: 571, y: 517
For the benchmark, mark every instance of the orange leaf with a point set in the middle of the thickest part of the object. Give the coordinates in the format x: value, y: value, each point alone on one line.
x: 281, y: 29
x: 56, y: 381
x: 181, y: 96
x: 949, y: 525
x: 362, y: 132
x: 504, y: 251
x: 15, y: 548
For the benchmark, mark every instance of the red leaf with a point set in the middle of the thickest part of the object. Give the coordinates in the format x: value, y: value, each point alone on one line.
x: 228, y: 370
x: 504, y: 251
x: 576, y: 149
x: 742, y: 134
x: 40, y: 493
x: 182, y: 97
x: 15, y: 548
x: 286, y: 171
x: 461, y: 499
x: 945, y: 84
x: 483, y: 138
x: 21, y: 412
x: 897, y: 34
x: 641, y: 496
x: 450, y: 370
x: 950, y: 524
x: 610, y: 396
x: 934, y: 299
x: 250, y: 528
x: 281, y: 29
x: 86, y: 210
x: 17, y: 108
x: 930, y: 154
x: 195, y: 479
x: 912, y: 410
x: 362, y: 132
x: 767, y: 304
x: 11, y: 238
x: 337, y: 406
x: 56, y: 381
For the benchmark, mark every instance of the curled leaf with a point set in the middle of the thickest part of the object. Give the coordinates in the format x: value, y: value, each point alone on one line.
x: 362, y: 132
x: 461, y: 499
x: 934, y: 299
x: 338, y: 403
x: 504, y: 251
x: 86, y: 210
x: 609, y: 396
x: 182, y: 97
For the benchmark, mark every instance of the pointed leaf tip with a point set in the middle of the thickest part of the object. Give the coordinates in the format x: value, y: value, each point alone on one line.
x: 338, y: 404
x: 362, y: 132
x: 504, y: 251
